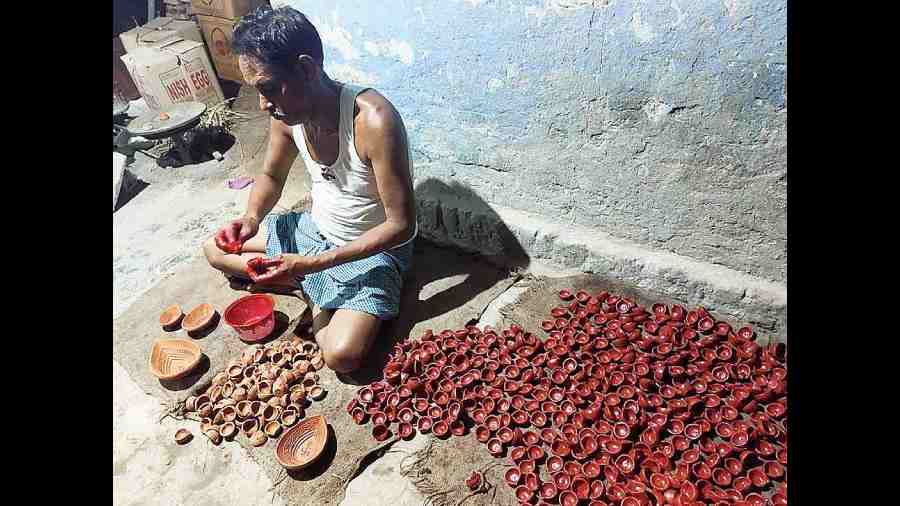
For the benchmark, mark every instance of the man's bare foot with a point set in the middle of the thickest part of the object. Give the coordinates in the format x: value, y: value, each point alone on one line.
x: 243, y: 284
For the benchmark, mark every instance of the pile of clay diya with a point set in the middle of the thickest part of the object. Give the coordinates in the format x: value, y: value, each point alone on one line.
x: 620, y: 404
x: 264, y: 391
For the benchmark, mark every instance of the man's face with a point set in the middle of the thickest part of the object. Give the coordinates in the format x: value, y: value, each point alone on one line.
x: 284, y: 98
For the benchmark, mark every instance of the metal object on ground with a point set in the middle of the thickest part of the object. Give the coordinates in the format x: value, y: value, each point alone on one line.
x: 171, y: 121
x: 168, y: 121
x: 120, y: 108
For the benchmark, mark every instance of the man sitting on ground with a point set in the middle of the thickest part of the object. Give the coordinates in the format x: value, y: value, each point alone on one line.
x: 350, y: 251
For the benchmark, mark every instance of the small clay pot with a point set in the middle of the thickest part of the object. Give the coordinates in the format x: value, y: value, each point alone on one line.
x: 213, y: 436
x: 264, y: 390
x: 581, y: 487
x: 721, y: 476
x: 273, y: 428
x: 701, y: 470
x: 548, y: 491
x: 536, y: 453
x: 560, y: 448
x: 527, y: 466
x: 494, y: 445
x: 171, y: 317
x: 441, y: 429
x: 524, y: 494
x: 229, y: 413
x: 625, y: 463
x: 591, y: 469
x: 513, y: 476
x: 568, y: 498
x: 258, y: 438
x: 199, y: 318
x: 405, y: 430
x: 773, y: 470
x: 183, y: 436
x: 531, y: 481
x: 538, y: 419
x: 228, y: 430
x: 457, y: 428
x: 250, y: 426
x: 205, y: 410
x: 380, y: 432
x: 317, y: 393
x: 425, y: 424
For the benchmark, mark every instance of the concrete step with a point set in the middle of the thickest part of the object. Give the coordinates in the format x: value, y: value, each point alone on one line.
x: 532, y: 243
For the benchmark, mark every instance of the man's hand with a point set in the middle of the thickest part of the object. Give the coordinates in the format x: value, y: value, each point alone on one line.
x: 281, y: 270
x: 232, y: 236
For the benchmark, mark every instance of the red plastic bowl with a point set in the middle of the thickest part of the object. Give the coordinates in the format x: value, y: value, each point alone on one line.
x: 252, y: 316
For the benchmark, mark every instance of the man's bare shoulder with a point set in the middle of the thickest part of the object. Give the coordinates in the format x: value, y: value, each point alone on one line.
x: 377, y: 115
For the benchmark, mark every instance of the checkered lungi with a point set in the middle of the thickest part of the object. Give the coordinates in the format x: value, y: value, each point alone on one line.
x: 371, y: 285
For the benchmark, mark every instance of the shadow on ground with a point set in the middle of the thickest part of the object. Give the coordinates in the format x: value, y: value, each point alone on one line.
x: 442, y: 281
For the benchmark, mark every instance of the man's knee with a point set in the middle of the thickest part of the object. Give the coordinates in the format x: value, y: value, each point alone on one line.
x: 343, y: 356
x: 213, y: 254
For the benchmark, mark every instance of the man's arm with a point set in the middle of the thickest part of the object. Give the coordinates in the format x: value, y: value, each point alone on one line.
x: 385, y: 146
x: 268, y: 186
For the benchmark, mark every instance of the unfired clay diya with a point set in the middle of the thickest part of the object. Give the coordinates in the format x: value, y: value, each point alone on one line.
x: 619, y: 404
x: 183, y: 436
x: 261, y: 393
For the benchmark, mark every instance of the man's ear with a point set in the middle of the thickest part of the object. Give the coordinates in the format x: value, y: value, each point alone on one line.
x: 307, y: 67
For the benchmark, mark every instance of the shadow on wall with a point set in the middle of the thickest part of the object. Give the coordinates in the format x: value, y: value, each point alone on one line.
x: 454, y: 215
x: 448, y: 215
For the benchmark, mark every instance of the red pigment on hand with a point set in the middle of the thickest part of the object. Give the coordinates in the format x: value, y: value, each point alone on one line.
x: 228, y: 246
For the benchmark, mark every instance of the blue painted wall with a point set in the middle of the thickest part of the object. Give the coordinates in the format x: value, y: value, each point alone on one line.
x: 663, y: 122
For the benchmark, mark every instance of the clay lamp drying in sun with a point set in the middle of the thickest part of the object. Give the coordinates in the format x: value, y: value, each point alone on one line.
x: 581, y: 487
x: 518, y: 454
x: 494, y: 445
x: 527, y: 466
x: 441, y: 429
x: 405, y: 430
x: 568, y: 498
x: 171, y: 317
x: 183, y: 436
x: 380, y: 432
x: 562, y: 480
x: 199, y: 319
x: 531, y: 481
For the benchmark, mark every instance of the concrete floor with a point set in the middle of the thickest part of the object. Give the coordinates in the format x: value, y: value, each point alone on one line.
x: 156, y: 233
x: 149, y: 468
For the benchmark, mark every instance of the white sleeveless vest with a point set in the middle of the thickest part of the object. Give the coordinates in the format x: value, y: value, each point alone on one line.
x: 345, y: 199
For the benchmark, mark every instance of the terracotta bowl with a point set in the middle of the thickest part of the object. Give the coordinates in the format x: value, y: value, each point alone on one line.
x: 171, y: 359
x: 170, y: 317
x: 302, y: 444
x: 199, y: 318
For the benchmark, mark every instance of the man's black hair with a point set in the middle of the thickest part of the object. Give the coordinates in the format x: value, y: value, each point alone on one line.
x: 276, y: 37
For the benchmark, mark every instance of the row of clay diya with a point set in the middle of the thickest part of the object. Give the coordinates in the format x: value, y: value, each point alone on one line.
x: 268, y: 388
x: 606, y: 410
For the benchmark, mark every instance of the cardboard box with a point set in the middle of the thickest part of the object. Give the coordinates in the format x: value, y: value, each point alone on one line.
x: 218, y: 33
x: 228, y: 9
x: 174, y: 71
x: 159, y: 30
x: 123, y: 85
